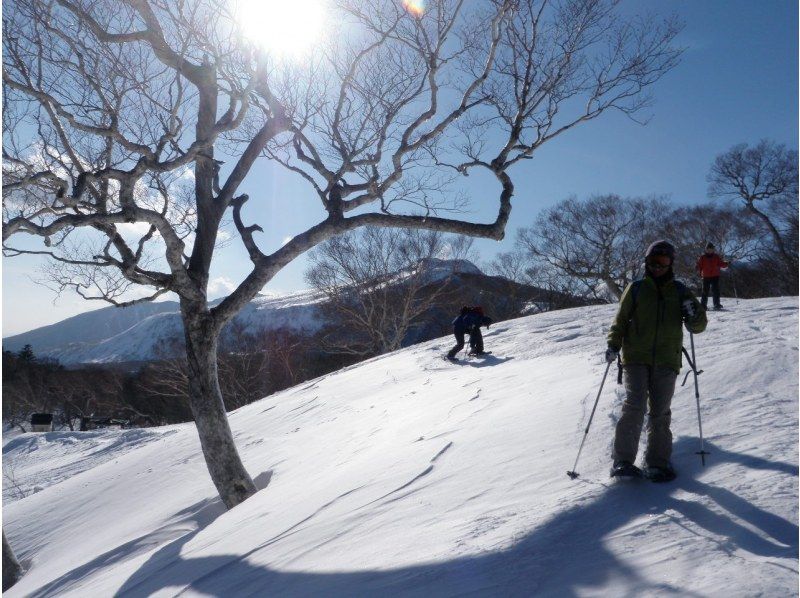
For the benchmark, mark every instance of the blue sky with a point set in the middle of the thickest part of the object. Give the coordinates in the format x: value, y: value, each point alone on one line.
x: 737, y: 82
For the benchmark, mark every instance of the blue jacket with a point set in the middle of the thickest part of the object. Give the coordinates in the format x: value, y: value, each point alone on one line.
x: 468, y: 322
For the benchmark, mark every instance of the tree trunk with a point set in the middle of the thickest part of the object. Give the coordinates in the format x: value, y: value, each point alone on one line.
x: 11, y: 567
x: 225, y: 466
x: 613, y: 288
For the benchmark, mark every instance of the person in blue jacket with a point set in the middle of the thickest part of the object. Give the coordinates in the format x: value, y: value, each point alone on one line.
x: 469, y: 321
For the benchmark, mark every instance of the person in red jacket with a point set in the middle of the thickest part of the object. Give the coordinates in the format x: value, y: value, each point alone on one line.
x: 708, y: 266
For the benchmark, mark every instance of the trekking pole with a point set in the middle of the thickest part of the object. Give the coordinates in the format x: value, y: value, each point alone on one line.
x: 572, y: 473
x: 696, y: 372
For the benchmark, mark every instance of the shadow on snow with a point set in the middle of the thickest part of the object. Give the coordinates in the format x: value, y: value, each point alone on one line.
x: 534, y: 565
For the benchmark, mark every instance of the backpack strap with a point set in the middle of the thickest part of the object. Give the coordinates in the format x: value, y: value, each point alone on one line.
x: 636, y: 285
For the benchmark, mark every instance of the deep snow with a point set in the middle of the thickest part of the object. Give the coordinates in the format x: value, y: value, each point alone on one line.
x: 408, y: 475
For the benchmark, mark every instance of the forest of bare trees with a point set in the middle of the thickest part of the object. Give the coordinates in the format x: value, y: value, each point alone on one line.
x: 763, y: 180
x: 593, y: 248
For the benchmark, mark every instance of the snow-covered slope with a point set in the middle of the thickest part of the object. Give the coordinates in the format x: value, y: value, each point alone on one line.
x: 411, y: 476
x: 87, y: 328
x: 105, y: 336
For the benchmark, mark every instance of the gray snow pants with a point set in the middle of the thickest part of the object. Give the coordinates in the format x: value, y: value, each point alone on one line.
x: 652, y: 387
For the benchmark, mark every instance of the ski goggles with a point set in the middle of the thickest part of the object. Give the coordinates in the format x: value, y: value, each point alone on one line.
x: 659, y: 262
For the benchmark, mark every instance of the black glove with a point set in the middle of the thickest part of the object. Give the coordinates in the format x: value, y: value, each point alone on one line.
x: 611, y: 354
x: 689, y: 310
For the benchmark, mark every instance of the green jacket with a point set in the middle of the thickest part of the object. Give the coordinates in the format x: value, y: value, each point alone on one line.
x: 652, y: 333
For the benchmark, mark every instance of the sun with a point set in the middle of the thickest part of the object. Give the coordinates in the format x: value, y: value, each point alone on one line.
x: 284, y: 28
x: 415, y: 7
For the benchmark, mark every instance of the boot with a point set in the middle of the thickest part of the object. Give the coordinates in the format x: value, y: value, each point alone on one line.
x: 660, y: 474
x: 625, y: 469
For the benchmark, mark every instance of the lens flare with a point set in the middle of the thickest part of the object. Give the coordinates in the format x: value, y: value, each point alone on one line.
x: 285, y: 28
x: 415, y: 7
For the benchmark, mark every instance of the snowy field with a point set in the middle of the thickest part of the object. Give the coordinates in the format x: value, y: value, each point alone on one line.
x: 410, y: 476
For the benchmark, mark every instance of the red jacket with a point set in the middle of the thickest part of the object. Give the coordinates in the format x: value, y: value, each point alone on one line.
x: 708, y: 266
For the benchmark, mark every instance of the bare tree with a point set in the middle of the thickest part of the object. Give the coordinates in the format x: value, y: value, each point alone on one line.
x: 377, y: 284
x: 27, y: 387
x: 12, y: 570
x: 289, y: 355
x: 689, y: 228
x: 598, y: 241
x: 251, y: 365
x: 93, y: 391
x: 515, y: 269
x: 12, y: 488
x: 764, y: 178
x: 521, y: 271
x: 116, y: 113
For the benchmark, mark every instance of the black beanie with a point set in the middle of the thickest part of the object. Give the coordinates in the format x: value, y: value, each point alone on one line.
x: 661, y: 248
x: 710, y: 246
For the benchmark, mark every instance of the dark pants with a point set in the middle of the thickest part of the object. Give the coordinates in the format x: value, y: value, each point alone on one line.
x: 713, y: 284
x: 650, y: 387
x: 476, y: 340
x: 459, y: 344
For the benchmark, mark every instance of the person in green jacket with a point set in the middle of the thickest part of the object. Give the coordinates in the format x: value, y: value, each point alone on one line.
x: 648, y: 329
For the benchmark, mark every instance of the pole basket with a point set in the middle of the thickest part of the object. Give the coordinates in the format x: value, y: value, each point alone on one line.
x: 703, y: 456
x: 573, y: 474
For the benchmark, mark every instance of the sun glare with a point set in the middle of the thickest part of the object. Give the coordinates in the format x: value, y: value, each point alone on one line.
x: 415, y: 7
x: 285, y: 28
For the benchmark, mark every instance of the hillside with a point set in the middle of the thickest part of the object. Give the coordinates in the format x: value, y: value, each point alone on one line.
x: 114, y: 335
x: 409, y: 476
x: 139, y: 333
x: 87, y: 328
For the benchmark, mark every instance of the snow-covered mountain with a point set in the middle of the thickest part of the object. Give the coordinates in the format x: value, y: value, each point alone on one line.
x: 407, y: 475
x: 87, y: 328
x: 113, y: 335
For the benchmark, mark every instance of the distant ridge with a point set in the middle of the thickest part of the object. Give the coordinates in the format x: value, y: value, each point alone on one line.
x: 131, y: 334
x: 121, y: 334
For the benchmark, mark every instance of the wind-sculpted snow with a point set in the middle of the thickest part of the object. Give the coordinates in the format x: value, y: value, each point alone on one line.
x: 408, y: 475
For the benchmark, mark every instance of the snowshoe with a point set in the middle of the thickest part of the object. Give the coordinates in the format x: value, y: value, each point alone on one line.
x: 660, y: 474
x: 479, y: 354
x: 449, y: 358
x: 625, y: 469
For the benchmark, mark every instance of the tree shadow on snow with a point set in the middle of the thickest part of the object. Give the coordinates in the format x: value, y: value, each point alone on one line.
x: 562, y: 557
x: 201, y: 514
